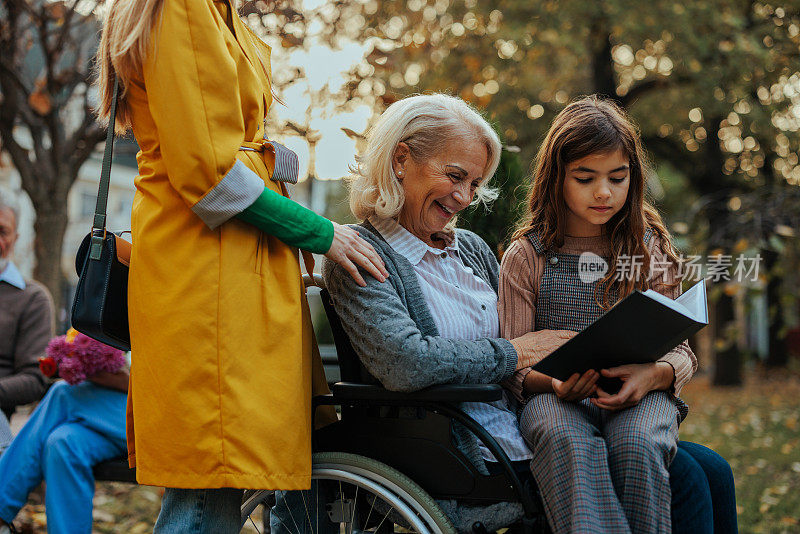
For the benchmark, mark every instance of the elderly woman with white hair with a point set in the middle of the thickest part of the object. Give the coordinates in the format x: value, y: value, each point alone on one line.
x: 428, y: 158
x: 435, y: 319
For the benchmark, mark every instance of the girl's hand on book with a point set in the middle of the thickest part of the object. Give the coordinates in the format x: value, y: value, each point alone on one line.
x: 577, y: 387
x: 637, y: 381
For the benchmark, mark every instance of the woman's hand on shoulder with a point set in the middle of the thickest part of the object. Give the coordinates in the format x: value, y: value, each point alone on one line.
x: 637, y: 381
x: 577, y: 387
x: 351, y: 251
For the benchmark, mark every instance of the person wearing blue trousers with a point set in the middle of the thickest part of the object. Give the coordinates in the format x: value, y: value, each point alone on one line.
x: 703, y: 494
x: 72, y: 429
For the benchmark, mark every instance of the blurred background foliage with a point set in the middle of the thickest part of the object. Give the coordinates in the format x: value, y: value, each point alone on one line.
x: 714, y: 87
x: 495, y: 223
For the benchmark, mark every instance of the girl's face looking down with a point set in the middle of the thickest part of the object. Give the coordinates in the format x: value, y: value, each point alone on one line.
x: 595, y: 189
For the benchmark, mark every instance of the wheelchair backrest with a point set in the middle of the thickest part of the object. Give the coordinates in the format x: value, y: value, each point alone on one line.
x: 350, y: 366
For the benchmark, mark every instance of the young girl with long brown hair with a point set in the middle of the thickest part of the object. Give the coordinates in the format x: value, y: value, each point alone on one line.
x: 600, y: 459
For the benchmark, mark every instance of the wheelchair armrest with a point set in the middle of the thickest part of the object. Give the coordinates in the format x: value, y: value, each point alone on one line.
x: 443, y: 393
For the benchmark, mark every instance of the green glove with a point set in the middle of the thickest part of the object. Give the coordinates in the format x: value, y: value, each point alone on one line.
x: 290, y: 222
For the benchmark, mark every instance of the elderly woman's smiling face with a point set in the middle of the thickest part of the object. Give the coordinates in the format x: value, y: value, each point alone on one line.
x: 436, y: 189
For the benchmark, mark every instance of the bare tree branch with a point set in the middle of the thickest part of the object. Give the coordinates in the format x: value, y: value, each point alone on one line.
x: 19, y: 156
x: 43, y: 105
x: 648, y: 86
x: 84, y: 142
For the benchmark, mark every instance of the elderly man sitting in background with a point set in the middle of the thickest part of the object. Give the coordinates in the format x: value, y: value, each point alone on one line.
x: 26, y: 326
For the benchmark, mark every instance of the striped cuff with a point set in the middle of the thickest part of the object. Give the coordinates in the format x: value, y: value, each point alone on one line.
x: 287, y: 166
x: 235, y: 192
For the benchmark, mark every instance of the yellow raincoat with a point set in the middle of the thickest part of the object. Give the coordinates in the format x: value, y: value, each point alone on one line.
x: 220, y: 391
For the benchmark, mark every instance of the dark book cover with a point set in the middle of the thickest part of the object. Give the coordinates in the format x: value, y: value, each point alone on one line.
x: 639, y: 329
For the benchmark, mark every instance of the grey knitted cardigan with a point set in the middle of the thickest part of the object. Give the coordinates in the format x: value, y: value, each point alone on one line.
x: 391, y: 329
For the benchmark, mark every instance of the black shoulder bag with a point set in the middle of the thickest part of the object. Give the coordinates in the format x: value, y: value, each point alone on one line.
x: 100, y: 308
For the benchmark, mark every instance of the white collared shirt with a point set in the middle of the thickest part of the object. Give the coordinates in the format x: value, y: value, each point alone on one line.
x: 463, y: 306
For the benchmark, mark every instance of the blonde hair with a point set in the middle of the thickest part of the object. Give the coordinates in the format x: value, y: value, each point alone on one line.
x: 426, y: 123
x: 127, y: 28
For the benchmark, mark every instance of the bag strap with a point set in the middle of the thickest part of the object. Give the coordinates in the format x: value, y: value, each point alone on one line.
x: 99, y: 223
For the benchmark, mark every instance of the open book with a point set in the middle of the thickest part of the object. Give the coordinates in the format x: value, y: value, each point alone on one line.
x: 641, y: 328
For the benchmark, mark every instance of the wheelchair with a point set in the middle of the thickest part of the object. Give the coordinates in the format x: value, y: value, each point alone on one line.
x: 389, y: 458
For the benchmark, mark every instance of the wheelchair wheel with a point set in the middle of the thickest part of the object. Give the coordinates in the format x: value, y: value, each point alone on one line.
x: 352, y: 492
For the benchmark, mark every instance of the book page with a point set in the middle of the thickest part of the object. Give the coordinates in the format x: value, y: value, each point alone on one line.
x: 669, y: 303
x: 692, y: 303
x: 695, y: 300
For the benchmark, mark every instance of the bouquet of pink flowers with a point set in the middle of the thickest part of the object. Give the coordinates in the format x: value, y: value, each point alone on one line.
x: 77, y: 357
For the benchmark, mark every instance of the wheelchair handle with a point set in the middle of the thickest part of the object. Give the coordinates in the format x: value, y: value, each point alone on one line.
x: 314, y: 280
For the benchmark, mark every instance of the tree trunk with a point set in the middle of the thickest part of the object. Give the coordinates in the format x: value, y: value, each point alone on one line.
x: 777, y: 352
x: 710, y: 181
x: 604, y: 78
x: 727, y: 356
x: 50, y: 226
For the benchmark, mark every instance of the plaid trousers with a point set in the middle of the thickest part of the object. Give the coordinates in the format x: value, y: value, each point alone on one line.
x: 598, y: 471
x: 602, y: 471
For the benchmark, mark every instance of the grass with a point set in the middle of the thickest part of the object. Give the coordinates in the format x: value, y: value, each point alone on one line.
x: 756, y: 427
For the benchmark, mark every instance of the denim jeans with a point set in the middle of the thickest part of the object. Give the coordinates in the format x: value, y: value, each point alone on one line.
x: 692, y: 507
x: 72, y: 428
x: 703, y: 494
x: 199, y: 511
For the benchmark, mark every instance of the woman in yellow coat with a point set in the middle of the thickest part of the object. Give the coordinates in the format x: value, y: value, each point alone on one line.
x: 220, y: 393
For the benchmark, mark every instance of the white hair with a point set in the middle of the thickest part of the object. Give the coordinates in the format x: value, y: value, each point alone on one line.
x: 426, y: 123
